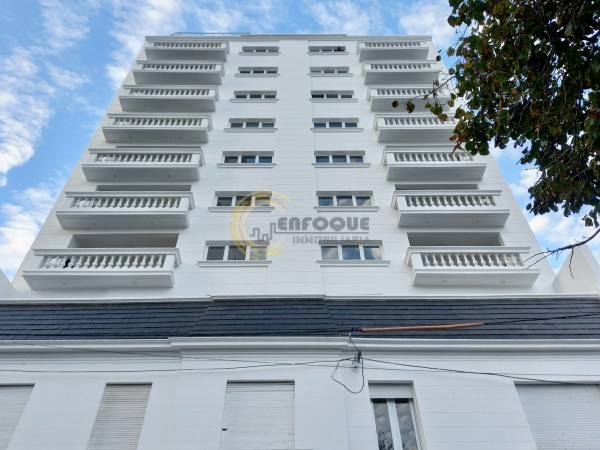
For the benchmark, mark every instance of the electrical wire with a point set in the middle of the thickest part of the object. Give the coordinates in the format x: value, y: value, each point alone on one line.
x: 357, y: 363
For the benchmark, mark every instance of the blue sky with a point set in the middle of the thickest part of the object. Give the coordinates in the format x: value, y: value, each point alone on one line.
x: 61, y: 62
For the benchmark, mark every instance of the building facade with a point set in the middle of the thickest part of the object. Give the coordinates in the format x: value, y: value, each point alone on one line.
x: 258, y: 251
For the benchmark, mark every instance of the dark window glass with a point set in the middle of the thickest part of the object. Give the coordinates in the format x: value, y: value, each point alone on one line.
x: 268, y: 124
x: 258, y: 71
x: 215, y: 253
x: 272, y: 71
x: 339, y: 158
x: 265, y: 159
x: 329, y: 253
x: 243, y: 200
x: 335, y: 124
x: 319, y: 124
x: 321, y: 159
x: 258, y: 253
x: 406, y: 424
x: 236, y: 253
x: 236, y: 124
x: 351, y: 124
x: 318, y: 96
x: 356, y: 158
x: 350, y: 252
x: 344, y: 200
x: 248, y: 159
x: 363, y: 200
x: 255, y: 95
x: 328, y: 71
x: 241, y: 95
x: 340, y: 49
x: 372, y: 252
x: 346, y: 95
x: 331, y: 95
x: 269, y: 95
x: 231, y: 159
x: 382, y: 425
x: 262, y: 200
x: 224, y: 201
x: 325, y: 201
x: 251, y: 124
x: 261, y: 50
x: 342, y: 71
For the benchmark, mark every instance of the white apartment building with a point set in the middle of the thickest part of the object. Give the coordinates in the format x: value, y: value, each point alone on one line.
x: 248, y: 213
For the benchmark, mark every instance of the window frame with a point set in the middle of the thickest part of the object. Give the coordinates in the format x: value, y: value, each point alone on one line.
x: 257, y: 71
x: 348, y: 155
x: 260, y: 50
x: 352, y: 195
x: 241, y: 125
x: 341, y: 261
x: 329, y: 71
x: 398, y: 442
x: 239, y: 156
x: 238, y: 196
x: 332, y: 96
x: 345, y: 124
x: 232, y: 248
x: 327, y: 50
x: 246, y: 96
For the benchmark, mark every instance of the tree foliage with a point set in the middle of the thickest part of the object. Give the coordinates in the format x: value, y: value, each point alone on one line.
x: 528, y: 73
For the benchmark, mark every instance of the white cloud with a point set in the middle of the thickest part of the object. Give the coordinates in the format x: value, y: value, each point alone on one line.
x: 63, y: 24
x: 428, y: 18
x: 528, y: 177
x: 64, y: 78
x: 344, y: 16
x: 22, y: 220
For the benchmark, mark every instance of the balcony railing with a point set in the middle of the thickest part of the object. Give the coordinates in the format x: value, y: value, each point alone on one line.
x: 382, y: 98
x: 390, y: 50
x: 470, y: 266
x: 404, y: 72
x: 172, y: 164
x: 450, y: 209
x: 431, y: 165
x: 177, y: 72
x: 156, y: 129
x: 168, y: 99
x: 94, y: 268
x: 160, y: 48
x: 415, y: 128
x: 106, y: 210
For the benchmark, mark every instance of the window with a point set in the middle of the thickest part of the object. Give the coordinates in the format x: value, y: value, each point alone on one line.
x: 259, y: 50
x: 339, y: 158
x: 251, y: 124
x: 335, y: 124
x: 120, y: 417
x: 254, y: 95
x: 350, y: 252
x: 12, y: 403
x: 257, y: 71
x: 353, y: 200
x: 248, y: 159
x: 243, y: 199
x: 236, y: 251
x: 258, y: 415
x: 327, y: 49
x: 332, y: 95
x: 562, y: 416
x: 394, y: 413
x: 330, y: 71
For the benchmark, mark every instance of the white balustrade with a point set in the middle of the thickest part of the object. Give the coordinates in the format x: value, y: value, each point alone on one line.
x: 449, y: 201
x: 400, y: 66
x: 179, y: 67
x: 143, y: 158
x: 431, y: 157
x: 102, y: 261
x: 408, y: 44
x: 149, y: 122
x: 123, y: 202
x: 169, y: 92
x: 473, y: 260
x: 415, y: 121
x: 186, y: 45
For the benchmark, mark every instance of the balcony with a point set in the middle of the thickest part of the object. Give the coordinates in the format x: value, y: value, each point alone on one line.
x: 449, y: 209
x: 168, y: 99
x: 177, y: 72
x: 93, y: 268
x: 165, y: 128
x: 415, y: 129
x: 110, y: 210
x: 470, y: 266
x: 382, y: 98
x: 405, y: 72
x: 185, y: 49
x: 140, y: 164
x: 431, y: 165
x: 390, y: 50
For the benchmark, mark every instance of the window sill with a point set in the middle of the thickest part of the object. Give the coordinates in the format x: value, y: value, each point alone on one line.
x: 333, y: 100
x: 259, y: 75
x: 248, y: 263
x: 259, y: 53
x: 346, y: 208
x: 253, y: 100
x: 250, y: 130
x: 330, y: 74
x: 354, y: 263
x: 246, y: 165
x: 328, y: 53
x: 342, y: 165
x: 241, y: 208
x: 335, y: 130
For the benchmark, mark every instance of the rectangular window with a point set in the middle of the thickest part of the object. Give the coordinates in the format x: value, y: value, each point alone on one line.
x: 257, y: 70
x: 330, y: 95
x: 255, y: 95
x: 335, y: 123
x: 120, y: 417
x: 256, y: 199
x: 347, y: 200
x: 251, y: 124
x: 224, y: 201
x: 329, y: 70
x: 339, y: 158
x: 236, y: 252
x: 258, y: 415
x: 259, y: 50
x: 12, y: 403
x: 248, y: 158
x: 394, y: 413
x: 350, y: 252
x: 327, y: 48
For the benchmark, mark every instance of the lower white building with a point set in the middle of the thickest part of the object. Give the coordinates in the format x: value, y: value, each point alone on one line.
x: 257, y: 252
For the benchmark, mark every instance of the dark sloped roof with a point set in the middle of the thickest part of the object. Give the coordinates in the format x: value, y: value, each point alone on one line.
x: 506, y: 319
